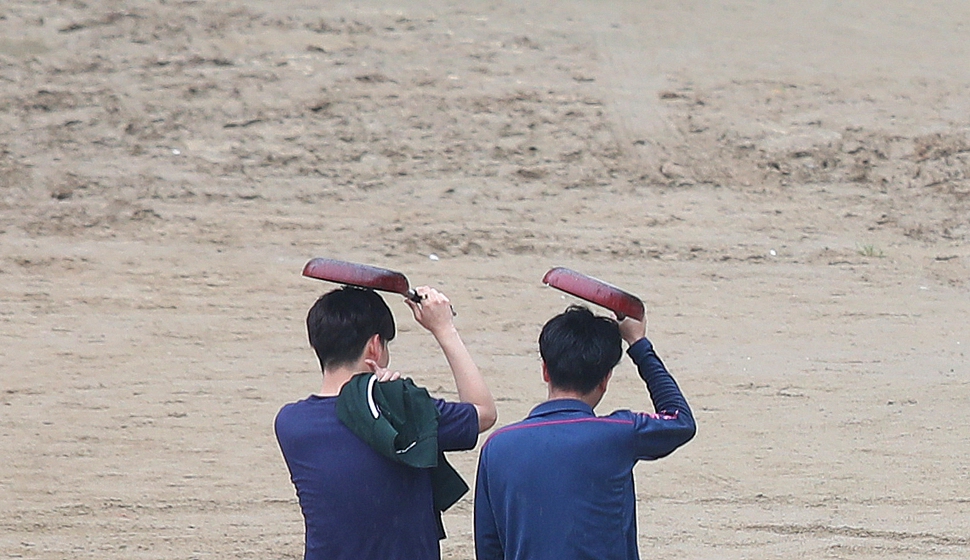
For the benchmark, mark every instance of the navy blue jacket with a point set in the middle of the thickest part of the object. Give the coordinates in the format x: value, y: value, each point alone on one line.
x: 559, y: 484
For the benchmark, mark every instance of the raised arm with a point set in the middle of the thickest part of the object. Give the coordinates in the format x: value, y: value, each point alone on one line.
x: 672, y: 424
x: 664, y: 392
x: 435, y: 314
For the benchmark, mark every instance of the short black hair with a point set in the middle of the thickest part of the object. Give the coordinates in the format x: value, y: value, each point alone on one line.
x: 580, y: 349
x: 342, y: 321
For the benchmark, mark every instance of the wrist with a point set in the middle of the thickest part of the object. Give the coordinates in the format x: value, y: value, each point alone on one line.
x: 444, y: 332
x: 631, y: 340
x: 639, y: 347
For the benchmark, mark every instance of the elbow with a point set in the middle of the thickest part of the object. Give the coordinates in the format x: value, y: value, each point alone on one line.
x: 487, y: 416
x: 678, y: 438
x: 690, y: 430
x: 682, y: 434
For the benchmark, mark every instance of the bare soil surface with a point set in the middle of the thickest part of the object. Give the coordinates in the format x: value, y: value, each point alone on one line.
x: 786, y: 184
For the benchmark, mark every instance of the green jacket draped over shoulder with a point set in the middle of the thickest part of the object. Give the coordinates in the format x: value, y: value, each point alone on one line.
x: 399, y: 420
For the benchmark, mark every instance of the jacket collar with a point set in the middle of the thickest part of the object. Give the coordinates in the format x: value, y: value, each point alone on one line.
x: 561, y: 405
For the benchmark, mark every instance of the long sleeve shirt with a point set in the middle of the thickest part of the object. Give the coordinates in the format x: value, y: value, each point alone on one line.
x: 559, y: 484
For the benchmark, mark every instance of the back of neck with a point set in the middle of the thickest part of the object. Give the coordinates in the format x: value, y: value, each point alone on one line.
x: 334, y: 379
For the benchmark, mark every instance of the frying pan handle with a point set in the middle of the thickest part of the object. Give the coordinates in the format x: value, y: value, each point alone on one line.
x: 413, y: 296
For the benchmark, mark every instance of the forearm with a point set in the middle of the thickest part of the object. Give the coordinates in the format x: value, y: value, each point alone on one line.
x: 468, y: 379
x: 664, y: 392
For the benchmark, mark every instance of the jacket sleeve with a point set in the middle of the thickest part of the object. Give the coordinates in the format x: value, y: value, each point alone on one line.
x: 487, y: 543
x: 672, y: 423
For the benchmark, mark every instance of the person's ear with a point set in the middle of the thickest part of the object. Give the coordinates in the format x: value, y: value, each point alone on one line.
x: 606, y: 380
x: 545, y: 372
x: 374, y: 348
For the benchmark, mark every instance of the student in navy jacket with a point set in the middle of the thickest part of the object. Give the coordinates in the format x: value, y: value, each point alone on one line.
x: 559, y: 484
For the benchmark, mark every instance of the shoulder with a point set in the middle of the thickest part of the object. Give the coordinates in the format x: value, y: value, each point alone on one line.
x: 294, y: 411
x: 622, y: 415
x: 288, y: 409
x: 294, y: 406
x: 287, y: 413
x: 506, y: 435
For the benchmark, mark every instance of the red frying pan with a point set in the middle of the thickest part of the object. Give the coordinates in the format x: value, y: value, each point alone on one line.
x: 360, y: 275
x: 624, y: 304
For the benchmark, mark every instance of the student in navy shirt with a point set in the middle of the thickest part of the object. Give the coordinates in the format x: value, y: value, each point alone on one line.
x: 357, y: 504
x: 559, y: 484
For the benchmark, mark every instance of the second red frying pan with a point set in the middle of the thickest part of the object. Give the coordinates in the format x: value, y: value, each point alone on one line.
x: 624, y: 304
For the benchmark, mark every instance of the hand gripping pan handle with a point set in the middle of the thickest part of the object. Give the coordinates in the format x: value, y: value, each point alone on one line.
x: 360, y: 275
x: 624, y: 304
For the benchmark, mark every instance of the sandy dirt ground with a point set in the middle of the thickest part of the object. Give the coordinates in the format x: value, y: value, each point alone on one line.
x: 786, y: 184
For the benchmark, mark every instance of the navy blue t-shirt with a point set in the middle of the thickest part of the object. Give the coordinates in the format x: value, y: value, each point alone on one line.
x: 358, y: 504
